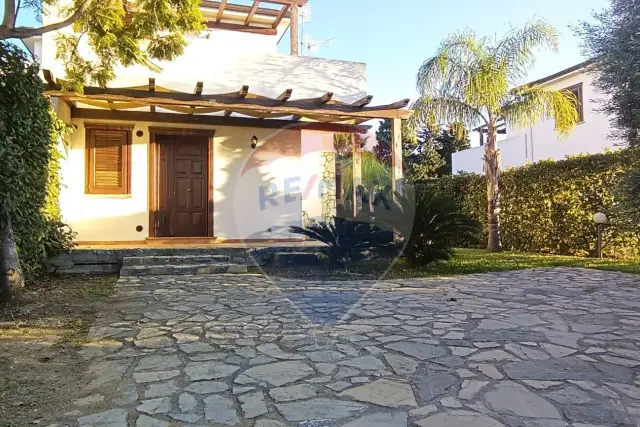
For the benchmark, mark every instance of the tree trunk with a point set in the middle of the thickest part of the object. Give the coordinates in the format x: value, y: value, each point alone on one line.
x: 492, y: 172
x: 11, y: 277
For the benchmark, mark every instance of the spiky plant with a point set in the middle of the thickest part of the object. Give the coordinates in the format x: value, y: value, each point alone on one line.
x: 475, y: 80
x: 345, y: 239
x: 429, y: 223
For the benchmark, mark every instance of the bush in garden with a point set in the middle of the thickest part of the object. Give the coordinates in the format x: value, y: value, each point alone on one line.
x: 548, y: 206
x: 346, y: 239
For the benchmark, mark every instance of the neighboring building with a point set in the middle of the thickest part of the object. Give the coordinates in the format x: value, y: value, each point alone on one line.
x: 539, y: 142
x: 169, y: 155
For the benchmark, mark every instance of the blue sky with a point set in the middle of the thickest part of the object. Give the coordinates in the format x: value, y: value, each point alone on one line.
x: 395, y: 36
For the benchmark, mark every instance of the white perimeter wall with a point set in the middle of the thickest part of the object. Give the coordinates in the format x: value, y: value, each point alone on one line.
x: 257, y: 193
x: 541, y: 141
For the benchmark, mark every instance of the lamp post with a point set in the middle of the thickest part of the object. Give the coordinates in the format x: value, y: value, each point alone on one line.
x: 600, y: 219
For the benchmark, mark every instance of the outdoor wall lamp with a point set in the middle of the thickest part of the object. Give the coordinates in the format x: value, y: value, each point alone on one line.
x: 254, y: 142
x: 600, y: 219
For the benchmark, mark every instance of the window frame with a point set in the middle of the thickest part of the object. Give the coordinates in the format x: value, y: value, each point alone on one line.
x: 125, y: 171
x: 576, y: 89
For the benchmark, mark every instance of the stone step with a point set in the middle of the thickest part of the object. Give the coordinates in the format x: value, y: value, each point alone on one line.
x: 175, y: 259
x: 182, y: 269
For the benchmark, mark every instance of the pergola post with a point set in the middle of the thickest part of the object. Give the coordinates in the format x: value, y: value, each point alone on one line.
x: 396, y: 156
x: 294, y: 30
x: 356, y: 161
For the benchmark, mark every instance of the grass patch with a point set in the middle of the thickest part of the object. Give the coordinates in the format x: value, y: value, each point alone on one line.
x: 40, y: 333
x: 465, y: 261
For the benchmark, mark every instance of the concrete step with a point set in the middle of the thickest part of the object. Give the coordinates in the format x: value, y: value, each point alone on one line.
x: 182, y: 269
x: 175, y: 259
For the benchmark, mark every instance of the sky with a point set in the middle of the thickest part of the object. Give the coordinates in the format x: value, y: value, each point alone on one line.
x: 394, y: 37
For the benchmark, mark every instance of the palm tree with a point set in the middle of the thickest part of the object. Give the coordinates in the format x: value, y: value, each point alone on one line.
x: 469, y: 80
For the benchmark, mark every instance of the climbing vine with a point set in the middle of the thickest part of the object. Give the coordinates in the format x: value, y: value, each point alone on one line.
x: 29, y: 162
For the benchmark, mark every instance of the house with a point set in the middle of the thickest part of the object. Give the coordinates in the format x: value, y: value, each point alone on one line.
x: 539, y: 142
x: 231, y: 142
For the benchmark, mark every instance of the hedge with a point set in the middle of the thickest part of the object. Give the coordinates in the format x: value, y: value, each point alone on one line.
x: 548, y: 206
x: 29, y: 162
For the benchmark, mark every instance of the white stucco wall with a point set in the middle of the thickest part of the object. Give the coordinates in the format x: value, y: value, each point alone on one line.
x: 541, y: 142
x: 257, y: 193
x: 227, y: 60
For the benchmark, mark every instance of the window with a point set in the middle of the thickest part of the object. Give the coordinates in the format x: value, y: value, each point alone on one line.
x: 576, y: 90
x: 108, y: 159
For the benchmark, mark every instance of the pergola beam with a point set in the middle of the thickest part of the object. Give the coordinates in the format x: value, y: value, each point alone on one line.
x: 242, y: 93
x: 242, y: 28
x: 363, y: 101
x: 281, y: 15
x: 252, y: 12
x: 152, y: 90
x: 221, y: 7
x: 285, y: 96
x: 198, y: 90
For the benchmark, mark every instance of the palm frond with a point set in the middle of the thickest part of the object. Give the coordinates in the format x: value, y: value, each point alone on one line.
x: 446, y: 110
x: 533, y: 104
x: 518, y: 48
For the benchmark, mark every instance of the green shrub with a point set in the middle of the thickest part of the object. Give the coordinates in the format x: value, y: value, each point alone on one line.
x: 548, y: 206
x: 29, y: 161
x: 430, y: 223
x: 345, y: 239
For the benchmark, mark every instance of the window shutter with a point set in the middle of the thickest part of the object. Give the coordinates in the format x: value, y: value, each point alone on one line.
x: 108, y: 161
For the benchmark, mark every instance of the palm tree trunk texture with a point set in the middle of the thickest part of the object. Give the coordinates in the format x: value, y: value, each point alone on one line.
x: 492, y: 172
x: 11, y: 276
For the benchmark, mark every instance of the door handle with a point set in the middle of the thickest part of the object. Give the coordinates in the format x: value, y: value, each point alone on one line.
x: 189, y: 190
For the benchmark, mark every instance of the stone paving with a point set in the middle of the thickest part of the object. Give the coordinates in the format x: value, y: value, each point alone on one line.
x: 534, y: 348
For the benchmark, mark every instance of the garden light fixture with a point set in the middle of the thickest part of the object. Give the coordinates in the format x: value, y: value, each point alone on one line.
x: 600, y: 219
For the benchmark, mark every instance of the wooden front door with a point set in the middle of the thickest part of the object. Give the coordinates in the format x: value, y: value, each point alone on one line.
x: 183, y: 175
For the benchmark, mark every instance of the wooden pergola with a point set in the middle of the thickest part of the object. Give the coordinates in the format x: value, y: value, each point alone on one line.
x: 255, y: 18
x: 241, y: 108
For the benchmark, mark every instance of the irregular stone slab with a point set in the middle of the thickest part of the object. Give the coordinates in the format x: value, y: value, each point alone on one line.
x: 490, y: 371
x: 294, y: 392
x: 280, y: 373
x: 470, y: 388
x: 161, y: 405
x: 528, y: 353
x: 434, y: 384
x: 325, y: 356
x: 154, y: 342
x: 269, y: 423
x: 570, y: 396
x: 401, y: 365
x: 256, y: 309
x: 492, y: 355
x: 417, y: 350
x: 423, y: 411
x: 253, y: 404
x: 161, y: 389
x: 110, y: 418
x: 384, y: 393
x: 196, y: 347
x: 186, y: 402
x: 459, y: 419
x: 629, y: 390
x: 209, y: 370
x: 541, y: 385
x: 511, y: 398
x: 395, y: 419
x: 462, y: 351
x: 366, y: 363
x: 158, y: 363
x: 149, y: 377
x: 319, y: 409
x: 505, y: 335
x: 615, y: 373
x: 568, y: 368
x: 219, y: 409
x: 272, y: 350
x: 145, y: 421
x: 595, y: 414
x: 557, y: 350
x: 526, y: 319
x: 492, y: 324
x: 207, y: 387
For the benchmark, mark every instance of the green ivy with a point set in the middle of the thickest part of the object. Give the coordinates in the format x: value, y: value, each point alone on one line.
x: 29, y: 161
x: 548, y: 206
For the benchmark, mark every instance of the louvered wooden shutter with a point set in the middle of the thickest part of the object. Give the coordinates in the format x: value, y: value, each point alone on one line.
x: 108, y: 161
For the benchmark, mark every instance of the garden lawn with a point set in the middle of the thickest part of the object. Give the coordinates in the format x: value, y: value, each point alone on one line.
x: 465, y: 261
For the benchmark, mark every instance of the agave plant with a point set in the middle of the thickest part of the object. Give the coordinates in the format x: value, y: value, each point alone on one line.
x: 345, y: 239
x: 429, y: 223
